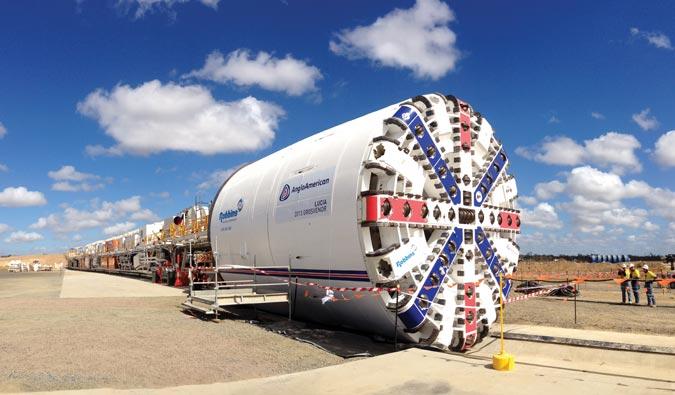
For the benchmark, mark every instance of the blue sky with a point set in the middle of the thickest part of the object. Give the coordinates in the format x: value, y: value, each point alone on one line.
x: 581, y: 94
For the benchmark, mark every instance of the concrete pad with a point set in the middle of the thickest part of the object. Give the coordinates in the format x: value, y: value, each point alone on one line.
x: 78, y: 284
x: 30, y: 284
x: 587, y: 334
x: 636, y: 364
x: 417, y: 371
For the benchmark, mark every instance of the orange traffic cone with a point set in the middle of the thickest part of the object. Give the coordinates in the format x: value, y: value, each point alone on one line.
x: 179, y: 279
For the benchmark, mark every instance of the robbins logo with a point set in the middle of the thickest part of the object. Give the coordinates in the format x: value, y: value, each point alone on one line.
x: 406, y: 115
x: 285, y: 193
x: 407, y: 257
x: 231, y: 214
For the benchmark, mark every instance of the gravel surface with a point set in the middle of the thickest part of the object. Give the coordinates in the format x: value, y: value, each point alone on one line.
x: 49, y: 343
x: 599, y: 307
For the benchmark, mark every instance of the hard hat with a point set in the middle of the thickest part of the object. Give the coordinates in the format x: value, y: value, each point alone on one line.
x: 623, y: 265
x: 631, y: 265
x: 645, y: 267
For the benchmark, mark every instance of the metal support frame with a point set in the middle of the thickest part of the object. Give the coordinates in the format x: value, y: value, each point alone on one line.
x: 222, y: 293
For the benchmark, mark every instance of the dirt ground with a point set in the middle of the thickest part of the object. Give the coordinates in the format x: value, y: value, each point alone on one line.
x: 46, y: 259
x: 51, y: 343
x: 563, y: 268
x: 599, y: 304
x: 599, y: 307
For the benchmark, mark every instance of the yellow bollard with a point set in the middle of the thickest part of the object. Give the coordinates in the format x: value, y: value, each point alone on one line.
x: 502, y: 361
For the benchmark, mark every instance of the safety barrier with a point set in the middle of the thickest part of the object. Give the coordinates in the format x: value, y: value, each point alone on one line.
x: 357, y: 292
x: 589, y: 277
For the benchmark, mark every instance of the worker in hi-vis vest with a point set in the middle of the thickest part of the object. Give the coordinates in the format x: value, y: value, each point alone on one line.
x: 625, y: 276
x: 635, y: 282
x: 649, y: 283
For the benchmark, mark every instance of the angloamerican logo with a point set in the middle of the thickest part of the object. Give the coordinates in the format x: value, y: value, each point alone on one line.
x: 287, y: 189
x: 285, y: 193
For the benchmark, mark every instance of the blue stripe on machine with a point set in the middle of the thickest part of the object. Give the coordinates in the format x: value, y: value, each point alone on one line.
x: 411, y: 118
x: 413, y: 317
x: 490, y: 177
x: 492, y: 261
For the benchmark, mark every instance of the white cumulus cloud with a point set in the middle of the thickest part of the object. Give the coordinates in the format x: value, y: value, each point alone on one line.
x: 542, y: 216
x: 597, y: 185
x: 23, y: 237
x: 3, y: 130
x: 645, y: 121
x: 142, y: 7
x: 418, y: 39
x: 69, y: 173
x: 43, y: 222
x: 4, y: 228
x: 145, y: 215
x: 99, y: 150
x: 662, y: 202
x: 118, y: 228
x: 156, y: 117
x: 528, y: 200
x: 657, y: 39
x: 66, y: 186
x: 287, y: 74
x: 596, y: 200
x: 161, y: 195
x: 3, y: 168
x: 68, y: 179
x: 101, y: 214
x: 664, y: 149
x: 555, y: 151
x: 21, y: 197
x: 615, y: 217
x: 547, y: 190
x: 216, y: 178
x: 650, y: 226
x: 553, y: 119
x: 615, y: 151
x: 597, y: 115
x: 612, y: 150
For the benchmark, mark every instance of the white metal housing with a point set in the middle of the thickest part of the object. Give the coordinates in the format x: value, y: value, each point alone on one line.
x: 414, y: 195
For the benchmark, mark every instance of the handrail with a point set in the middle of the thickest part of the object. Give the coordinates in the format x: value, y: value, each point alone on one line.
x: 251, y: 267
x: 234, y: 281
x: 227, y: 281
x: 239, y: 285
x: 215, y: 285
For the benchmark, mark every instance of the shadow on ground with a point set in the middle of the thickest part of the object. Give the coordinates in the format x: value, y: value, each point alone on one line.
x: 338, y: 341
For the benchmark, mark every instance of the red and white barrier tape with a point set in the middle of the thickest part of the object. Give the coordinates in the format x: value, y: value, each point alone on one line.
x: 543, y: 292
